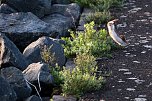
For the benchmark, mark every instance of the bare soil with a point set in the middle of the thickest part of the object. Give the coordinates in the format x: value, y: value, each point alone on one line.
x: 131, y: 78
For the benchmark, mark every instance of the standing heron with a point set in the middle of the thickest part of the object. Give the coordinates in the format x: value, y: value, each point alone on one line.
x: 118, y: 39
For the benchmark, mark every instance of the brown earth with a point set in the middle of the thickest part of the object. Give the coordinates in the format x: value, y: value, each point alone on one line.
x: 131, y: 78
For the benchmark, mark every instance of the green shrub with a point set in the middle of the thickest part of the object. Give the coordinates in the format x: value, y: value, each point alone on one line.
x: 98, y: 17
x: 99, y: 4
x: 48, y: 58
x: 82, y: 78
x: 90, y: 41
x: 78, y: 81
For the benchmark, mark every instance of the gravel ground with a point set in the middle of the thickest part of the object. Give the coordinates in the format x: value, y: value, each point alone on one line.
x: 131, y: 78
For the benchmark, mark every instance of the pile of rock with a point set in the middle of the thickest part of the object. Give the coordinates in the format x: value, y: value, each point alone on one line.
x: 27, y: 26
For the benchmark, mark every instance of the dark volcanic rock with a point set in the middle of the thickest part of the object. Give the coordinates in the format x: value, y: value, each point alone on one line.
x: 71, y: 10
x: 6, y: 92
x: 40, y: 72
x: 33, y: 52
x: 16, y: 79
x: 61, y: 1
x: 4, y: 8
x: 23, y: 28
x: 33, y: 98
x: 37, y: 7
x: 59, y: 23
x: 10, y: 55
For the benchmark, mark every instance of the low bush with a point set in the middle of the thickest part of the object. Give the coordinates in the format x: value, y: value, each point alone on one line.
x: 78, y: 81
x: 48, y: 57
x: 98, y: 17
x: 93, y: 42
x: 82, y: 78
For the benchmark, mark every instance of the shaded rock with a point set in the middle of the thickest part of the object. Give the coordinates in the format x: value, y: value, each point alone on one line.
x: 71, y: 10
x: 59, y: 23
x: 16, y: 79
x: 61, y: 98
x: 4, y: 8
x: 40, y: 72
x: 46, y: 99
x: 23, y: 28
x: 37, y: 7
x: 55, y: 51
x: 6, y: 92
x: 61, y: 1
x: 10, y: 55
x: 59, y: 41
x: 33, y: 98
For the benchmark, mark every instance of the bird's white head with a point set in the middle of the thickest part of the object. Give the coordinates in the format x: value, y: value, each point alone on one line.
x: 110, y: 24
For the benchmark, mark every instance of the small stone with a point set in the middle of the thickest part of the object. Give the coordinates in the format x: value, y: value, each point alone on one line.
x: 140, y: 99
x: 127, y: 98
x: 142, y: 96
x: 147, y: 46
x: 130, y: 89
x: 143, y: 52
x: 139, y: 81
x: 136, y: 61
x: 132, y: 78
x: 128, y: 73
x: 124, y: 70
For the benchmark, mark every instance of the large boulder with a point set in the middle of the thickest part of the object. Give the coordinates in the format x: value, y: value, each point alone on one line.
x: 33, y: 98
x: 61, y: 1
x: 10, y: 54
x: 37, y: 7
x: 17, y: 81
x: 4, y: 8
x: 23, y: 28
x: 39, y: 74
x: 6, y: 92
x: 55, y: 52
x: 59, y: 23
x: 71, y: 10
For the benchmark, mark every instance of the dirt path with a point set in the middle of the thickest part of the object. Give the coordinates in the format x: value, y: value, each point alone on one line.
x: 131, y: 78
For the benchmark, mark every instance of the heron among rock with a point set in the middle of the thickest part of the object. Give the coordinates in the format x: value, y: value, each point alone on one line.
x: 119, y: 39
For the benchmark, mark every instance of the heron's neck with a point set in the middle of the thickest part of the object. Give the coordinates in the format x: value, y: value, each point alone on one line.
x: 111, y: 28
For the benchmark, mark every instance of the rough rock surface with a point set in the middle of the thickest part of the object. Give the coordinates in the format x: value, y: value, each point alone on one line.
x: 71, y: 10
x: 61, y: 1
x: 4, y: 8
x: 37, y: 7
x: 10, y: 55
x: 23, y: 28
x: 59, y: 24
x: 16, y: 79
x: 6, y: 92
x: 33, y: 52
x: 40, y: 72
x: 33, y: 98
